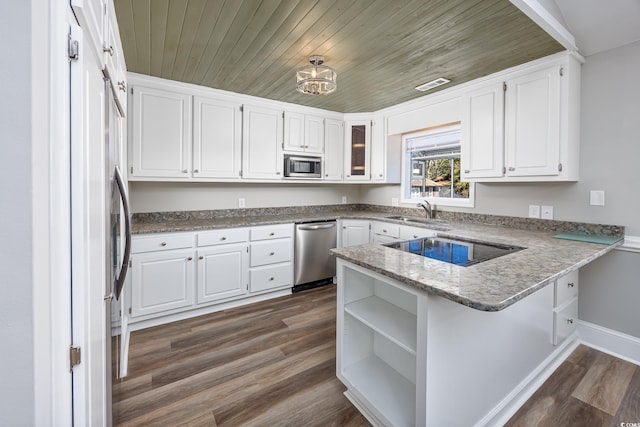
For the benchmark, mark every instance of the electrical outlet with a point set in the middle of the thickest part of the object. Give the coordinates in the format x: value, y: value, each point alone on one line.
x: 596, y: 198
x: 534, y: 211
x: 547, y: 212
x: 344, y: 200
x: 394, y: 201
x: 241, y: 202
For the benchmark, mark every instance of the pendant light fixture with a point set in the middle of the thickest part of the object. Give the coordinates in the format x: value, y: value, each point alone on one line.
x: 316, y: 79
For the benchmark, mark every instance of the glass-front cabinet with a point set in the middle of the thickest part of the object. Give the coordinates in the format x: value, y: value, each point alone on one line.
x: 357, y: 150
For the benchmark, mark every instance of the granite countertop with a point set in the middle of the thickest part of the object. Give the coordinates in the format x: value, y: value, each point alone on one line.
x: 488, y: 286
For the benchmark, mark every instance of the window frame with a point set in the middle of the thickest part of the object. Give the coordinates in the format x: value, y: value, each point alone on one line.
x: 405, y: 170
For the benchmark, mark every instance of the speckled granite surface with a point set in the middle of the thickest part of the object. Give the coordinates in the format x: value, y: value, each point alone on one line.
x: 489, y: 286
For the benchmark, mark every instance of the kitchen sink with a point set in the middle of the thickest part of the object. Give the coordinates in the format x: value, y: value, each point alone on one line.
x: 417, y: 220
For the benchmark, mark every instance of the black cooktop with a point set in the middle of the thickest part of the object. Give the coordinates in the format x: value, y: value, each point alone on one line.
x: 454, y: 250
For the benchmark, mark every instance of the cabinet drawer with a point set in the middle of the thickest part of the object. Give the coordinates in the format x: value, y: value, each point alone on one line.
x: 386, y: 229
x: 564, y: 321
x: 161, y: 242
x: 223, y: 237
x: 272, y: 232
x: 271, y: 252
x: 409, y: 233
x: 566, y: 288
x: 264, y: 278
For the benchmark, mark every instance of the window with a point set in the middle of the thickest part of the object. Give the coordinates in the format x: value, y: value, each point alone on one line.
x: 431, y: 168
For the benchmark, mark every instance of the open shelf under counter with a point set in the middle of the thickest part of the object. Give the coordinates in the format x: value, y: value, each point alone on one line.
x: 387, y: 319
x: 392, y: 395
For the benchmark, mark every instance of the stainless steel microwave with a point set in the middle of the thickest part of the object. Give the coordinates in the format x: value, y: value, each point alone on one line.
x: 302, y: 166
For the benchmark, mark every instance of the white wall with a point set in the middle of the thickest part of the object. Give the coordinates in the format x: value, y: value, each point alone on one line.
x: 609, y: 154
x: 17, y: 395
x: 177, y: 196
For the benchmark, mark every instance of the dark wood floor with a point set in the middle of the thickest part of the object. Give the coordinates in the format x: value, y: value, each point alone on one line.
x: 273, y: 364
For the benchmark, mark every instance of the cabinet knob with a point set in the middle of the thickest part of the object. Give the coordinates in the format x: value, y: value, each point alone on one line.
x: 122, y: 86
x: 185, y: 171
x: 380, y: 175
x: 326, y: 174
x: 200, y: 257
x: 466, y: 171
x: 570, y: 284
x: 277, y: 173
x: 223, y: 238
x: 189, y: 259
x: 108, y: 49
x: 270, y: 279
x: 384, y: 231
x: 195, y: 171
x: 415, y: 236
x: 570, y: 321
x: 272, y: 234
x: 348, y: 176
x: 511, y: 168
x: 163, y: 244
x: 272, y: 254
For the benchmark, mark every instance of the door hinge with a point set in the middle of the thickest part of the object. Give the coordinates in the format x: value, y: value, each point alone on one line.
x: 131, y: 169
x: 240, y: 173
x: 75, y: 357
x: 74, y: 49
x: 129, y: 310
x: 504, y: 86
x: 242, y: 108
x: 561, y: 71
x: 504, y: 170
x: 559, y: 167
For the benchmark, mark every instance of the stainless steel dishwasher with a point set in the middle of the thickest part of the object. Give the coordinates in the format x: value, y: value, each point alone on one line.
x: 313, y: 263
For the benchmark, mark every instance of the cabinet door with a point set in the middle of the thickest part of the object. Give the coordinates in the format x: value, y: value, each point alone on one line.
x: 482, y: 136
x: 533, y: 124
x: 357, y: 148
x: 161, y: 145
x: 262, y: 143
x: 161, y: 281
x: 293, y: 131
x: 313, y: 134
x: 354, y: 233
x: 378, y: 150
x: 114, y: 58
x: 91, y: 16
x: 333, y: 149
x: 217, y: 127
x: 222, y: 272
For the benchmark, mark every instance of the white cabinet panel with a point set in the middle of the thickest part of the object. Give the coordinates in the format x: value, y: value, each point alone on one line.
x: 385, y: 229
x: 115, y: 66
x: 357, y: 149
x: 333, y: 150
x: 217, y: 127
x: 271, y: 252
x: 482, y: 139
x: 268, y: 232
x: 270, y: 277
x: 222, y: 272
x: 262, y: 143
x: 533, y: 123
x: 566, y: 288
x: 293, y: 131
x: 354, y: 232
x: 161, y: 281
x: 161, y: 145
x: 564, y: 321
x: 313, y: 134
x: 91, y: 16
x: 161, y: 242
x: 409, y: 233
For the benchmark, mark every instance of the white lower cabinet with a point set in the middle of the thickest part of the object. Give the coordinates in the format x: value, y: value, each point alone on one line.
x: 353, y: 232
x: 161, y: 281
x: 271, y: 264
x: 222, y: 272
x: 409, y: 233
x: 565, y: 303
x: 384, y: 232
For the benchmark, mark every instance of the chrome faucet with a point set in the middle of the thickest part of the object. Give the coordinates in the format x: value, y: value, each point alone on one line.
x: 427, y: 208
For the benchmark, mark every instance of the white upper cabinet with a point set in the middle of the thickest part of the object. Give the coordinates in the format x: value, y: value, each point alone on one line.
x: 386, y: 159
x: 217, y: 133
x: 303, y: 133
x: 262, y: 142
x: 91, y: 15
x: 482, y: 139
x: 161, y: 134
x: 115, y: 66
x: 524, y: 127
x: 532, y: 123
x: 357, y: 149
x: 333, y: 149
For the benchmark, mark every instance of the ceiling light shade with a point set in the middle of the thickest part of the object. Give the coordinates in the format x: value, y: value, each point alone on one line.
x: 316, y: 79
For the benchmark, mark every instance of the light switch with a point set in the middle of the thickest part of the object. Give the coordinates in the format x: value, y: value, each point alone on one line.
x: 534, y: 211
x: 596, y: 198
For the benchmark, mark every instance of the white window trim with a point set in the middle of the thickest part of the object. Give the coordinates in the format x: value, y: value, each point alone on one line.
x: 437, y: 201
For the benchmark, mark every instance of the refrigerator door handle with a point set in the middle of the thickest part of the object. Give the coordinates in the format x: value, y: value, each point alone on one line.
x: 127, y: 226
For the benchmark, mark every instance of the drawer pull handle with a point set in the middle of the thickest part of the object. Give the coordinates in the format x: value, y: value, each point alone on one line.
x: 384, y: 231
x: 511, y: 168
x: 163, y: 244
x: 272, y: 254
x: 570, y: 321
x: 223, y: 238
x: 200, y: 257
x: 272, y: 234
x: 189, y: 259
x: 270, y: 279
x: 570, y: 284
x: 415, y: 236
x: 466, y: 171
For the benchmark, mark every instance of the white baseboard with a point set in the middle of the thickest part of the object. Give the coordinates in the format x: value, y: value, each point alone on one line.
x: 618, y: 344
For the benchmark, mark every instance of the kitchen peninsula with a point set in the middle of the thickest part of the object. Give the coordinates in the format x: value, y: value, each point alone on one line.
x: 426, y: 342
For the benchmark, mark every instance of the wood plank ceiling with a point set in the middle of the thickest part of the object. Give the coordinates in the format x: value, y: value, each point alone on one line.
x: 381, y: 49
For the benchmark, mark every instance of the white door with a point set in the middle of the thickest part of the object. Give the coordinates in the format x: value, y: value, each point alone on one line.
x: 217, y: 127
x: 333, y: 149
x: 293, y: 131
x: 533, y: 123
x: 313, y: 134
x: 161, y: 134
x: 354, y: 233
x: 262, y: 130
x: 357, y: 150
x: 222, y: 272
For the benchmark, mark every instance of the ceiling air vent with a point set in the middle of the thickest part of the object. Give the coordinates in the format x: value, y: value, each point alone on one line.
x: 433, y: 83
